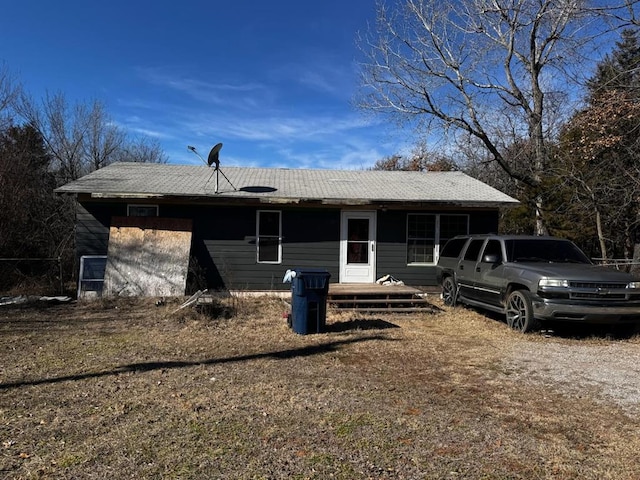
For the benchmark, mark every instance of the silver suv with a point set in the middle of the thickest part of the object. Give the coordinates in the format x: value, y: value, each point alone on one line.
x: 533, y: 279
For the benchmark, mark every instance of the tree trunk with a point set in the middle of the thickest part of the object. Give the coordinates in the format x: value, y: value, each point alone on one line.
x: 541, y: 228
x: 635, y: 263
x: 603, y: 245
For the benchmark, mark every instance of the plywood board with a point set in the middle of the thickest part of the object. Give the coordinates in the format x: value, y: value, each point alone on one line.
x: 147, y: 256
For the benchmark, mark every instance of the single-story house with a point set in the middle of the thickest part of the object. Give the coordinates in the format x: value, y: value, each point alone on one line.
x: 242, y: 228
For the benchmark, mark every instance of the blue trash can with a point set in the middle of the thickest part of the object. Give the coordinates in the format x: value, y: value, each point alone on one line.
x: 309, y: 290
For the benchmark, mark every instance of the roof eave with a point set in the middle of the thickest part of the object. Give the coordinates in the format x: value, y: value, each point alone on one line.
x: 275, y: 200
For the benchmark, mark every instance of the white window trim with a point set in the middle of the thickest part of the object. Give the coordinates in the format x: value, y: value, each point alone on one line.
x: 82, y: 279
x: 273, y: 262
x: 139, y: 205
x: 436, y: 240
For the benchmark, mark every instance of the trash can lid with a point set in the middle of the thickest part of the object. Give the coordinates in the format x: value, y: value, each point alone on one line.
x: 311, y: 271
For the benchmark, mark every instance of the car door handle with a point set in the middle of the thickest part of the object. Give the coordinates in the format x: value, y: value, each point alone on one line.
x: 478, y: 269
x: 461, y: 267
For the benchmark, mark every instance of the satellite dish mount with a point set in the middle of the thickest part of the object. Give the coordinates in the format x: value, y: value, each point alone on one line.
x: 213, y: 160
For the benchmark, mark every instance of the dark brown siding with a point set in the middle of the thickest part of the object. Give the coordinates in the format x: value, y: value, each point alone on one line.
x: 226, y: 243
x: 392, y: 244
x: 92, y: 228
x: 223, y: 250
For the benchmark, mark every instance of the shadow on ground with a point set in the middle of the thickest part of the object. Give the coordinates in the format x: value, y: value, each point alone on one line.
x: 360, y: 324
x: 165, y: 365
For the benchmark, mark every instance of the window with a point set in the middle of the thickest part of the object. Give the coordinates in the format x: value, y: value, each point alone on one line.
x: 358, y: 240
x: 473, y: 250
x: 91, y: 281
x: 492, y: 249
x: 452, y: 226
x: 268, y: 237
x: 426, y: 232
x: 421, y: 236
x: 544, y: 250
x: 453, y: 247
x: 142, y: 210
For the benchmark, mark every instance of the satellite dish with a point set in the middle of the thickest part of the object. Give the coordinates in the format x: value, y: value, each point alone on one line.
x: 214, y: 155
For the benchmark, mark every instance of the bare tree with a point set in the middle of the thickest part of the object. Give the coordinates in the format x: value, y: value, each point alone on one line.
x: 103, y: 138
x: 68, y: 132
x: 420, y: 159
x: 141, y: 149
x: 82, y: 138
x: 491, y: 70
x: 9, y: 92
x: 624, y: 13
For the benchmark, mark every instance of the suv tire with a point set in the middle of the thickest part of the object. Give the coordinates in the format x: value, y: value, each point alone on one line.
x: 449, y: 292
x: 519, y: 311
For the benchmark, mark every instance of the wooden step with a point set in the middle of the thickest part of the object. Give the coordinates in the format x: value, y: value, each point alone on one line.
x: 376, y: 298
x: 388, y: 310
x: 343, y: 301
x: 372, y: 303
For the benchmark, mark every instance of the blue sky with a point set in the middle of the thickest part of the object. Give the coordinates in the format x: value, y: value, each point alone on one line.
x: 274, y: 81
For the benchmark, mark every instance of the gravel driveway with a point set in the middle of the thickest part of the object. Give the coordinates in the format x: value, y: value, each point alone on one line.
x: 611, y: 371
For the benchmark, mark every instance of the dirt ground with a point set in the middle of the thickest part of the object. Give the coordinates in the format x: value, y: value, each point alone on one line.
x: 131, y: 389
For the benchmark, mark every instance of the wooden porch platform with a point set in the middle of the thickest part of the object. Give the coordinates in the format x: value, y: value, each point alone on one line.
x: 372, y: 297
x: 362, y: 297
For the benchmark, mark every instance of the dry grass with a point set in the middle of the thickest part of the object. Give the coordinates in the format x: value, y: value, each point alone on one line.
x: 127, y: 389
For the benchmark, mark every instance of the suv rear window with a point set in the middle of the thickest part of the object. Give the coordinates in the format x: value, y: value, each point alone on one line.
x: 453, y: 247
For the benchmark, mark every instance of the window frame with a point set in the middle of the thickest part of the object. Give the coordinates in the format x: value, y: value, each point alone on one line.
x: 97, y: 282
x: 490, y: 243
x: 131, y: 206
x: 278, y: 237
x: 437, y: 241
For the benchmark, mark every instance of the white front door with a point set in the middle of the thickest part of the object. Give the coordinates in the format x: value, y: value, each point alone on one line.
x: 358, y: 247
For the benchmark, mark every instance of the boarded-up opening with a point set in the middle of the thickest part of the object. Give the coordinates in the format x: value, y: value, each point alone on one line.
x: 147, y: 256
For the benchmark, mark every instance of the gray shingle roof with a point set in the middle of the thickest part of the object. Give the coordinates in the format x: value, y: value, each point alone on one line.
x: 135, y: 180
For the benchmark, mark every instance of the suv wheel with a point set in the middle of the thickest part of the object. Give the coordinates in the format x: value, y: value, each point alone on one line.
x: 520, y: 311
x: 449, y: 292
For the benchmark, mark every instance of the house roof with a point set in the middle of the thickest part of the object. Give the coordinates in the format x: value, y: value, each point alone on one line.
x: 280, y: 185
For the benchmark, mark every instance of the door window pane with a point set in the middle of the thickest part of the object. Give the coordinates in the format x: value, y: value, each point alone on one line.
x: 269, y: 223
x: 358, y: 240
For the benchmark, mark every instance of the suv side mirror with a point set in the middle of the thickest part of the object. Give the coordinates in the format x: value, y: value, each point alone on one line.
x: 491, y: 258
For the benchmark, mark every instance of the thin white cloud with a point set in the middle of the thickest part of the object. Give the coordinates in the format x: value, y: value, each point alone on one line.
x: 319, y: 82
x: 150, y: 133
x: 303, y: 127
x: 304, y: 140
x: 325, y: 74
x: 216, y: 93
x: 260, y: 125
x: 346, y: 155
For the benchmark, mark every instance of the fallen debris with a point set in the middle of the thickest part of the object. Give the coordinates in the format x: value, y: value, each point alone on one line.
x: 56, y: 299
x: 192, y: 300
x: 389, y: 280
x: 13, y: 300
x: 19, y: 299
